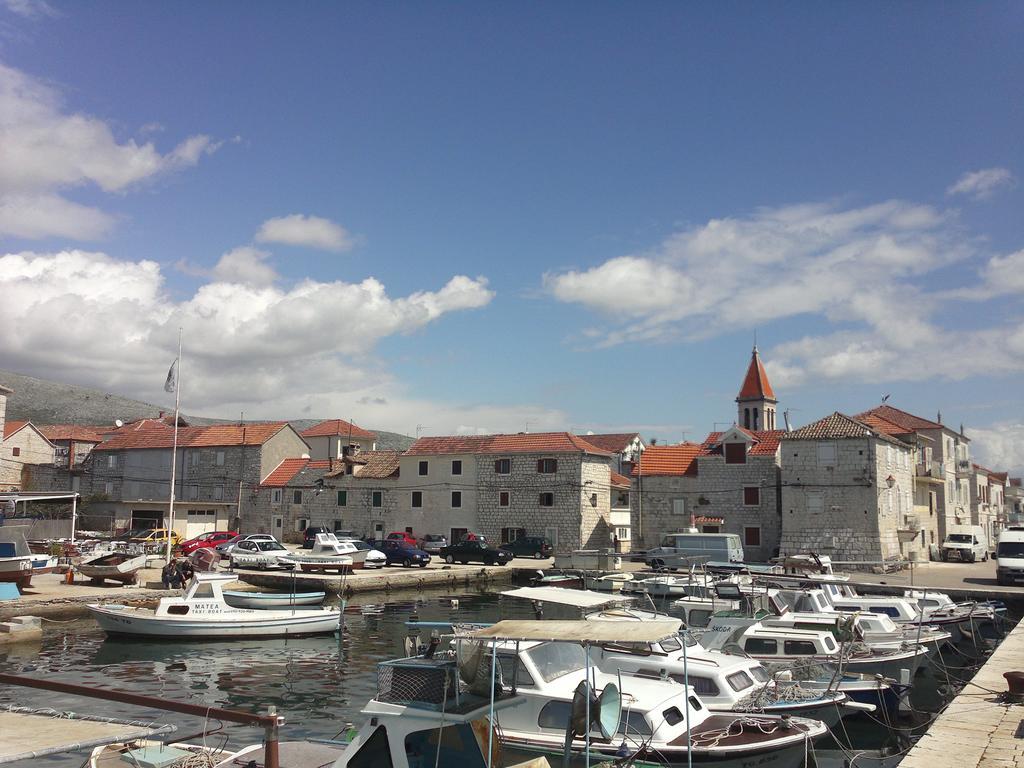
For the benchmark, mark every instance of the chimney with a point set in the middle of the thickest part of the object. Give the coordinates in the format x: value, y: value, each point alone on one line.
x: 785, y: 418
x: 938, y: 417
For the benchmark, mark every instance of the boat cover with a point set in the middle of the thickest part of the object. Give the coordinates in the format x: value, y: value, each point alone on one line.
x: 580, y: 598
x: 585, y: 632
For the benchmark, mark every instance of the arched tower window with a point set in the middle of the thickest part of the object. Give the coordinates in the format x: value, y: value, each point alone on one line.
x: 755, y: 420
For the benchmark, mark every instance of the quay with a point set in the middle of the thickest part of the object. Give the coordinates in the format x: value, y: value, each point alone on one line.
x: 384, y: 579
x: 979, y: 728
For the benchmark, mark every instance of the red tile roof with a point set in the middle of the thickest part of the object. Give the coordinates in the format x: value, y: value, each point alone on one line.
x: 664, y: 460
x: 614, y: 443
x: 333, y: 427
x: 524, y: 442
x: 620, y: 481
x: 70, y: 432
x: 375, y: 465
x: 838, y: 426
x: 893, y: 421
x: 708, y: 520
x: 284, y: 472
x: 756, y: 384
x: 766, y: 442
x: 10, y: 427
x: 155, y: 434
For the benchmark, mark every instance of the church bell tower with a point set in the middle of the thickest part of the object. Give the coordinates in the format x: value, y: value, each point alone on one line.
x: 756, y: 401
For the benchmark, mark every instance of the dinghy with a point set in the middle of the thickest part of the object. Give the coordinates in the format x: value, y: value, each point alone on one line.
x: 116, y: 566
x: 264, y: 600
x: 203, y: 613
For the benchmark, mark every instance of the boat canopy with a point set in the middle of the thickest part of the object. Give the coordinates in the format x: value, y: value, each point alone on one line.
x: 579, y: 598
x: 585, y: 632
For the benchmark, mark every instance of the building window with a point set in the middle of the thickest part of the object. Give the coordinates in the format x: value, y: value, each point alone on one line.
x: 679, y: 507
x: 826, y: 454
x: 547, y: 466
x: 112, y: 461
x: 417, y: 499
x: 15, y: 451
x: 815, y: 502
x: 547, y: 500
x: 622, y: 533
x: 508, y: 535
x: 751, y: 496
x: 195, y: 458
x: 888, y: 455
x: 735, y: 453
x: 456, y: 466
x: 752, y: 536
x: 503, y: 498
x: 456, y: 499
x: 296, y: 497
x: 275, y: 496
x: 377, y: 499
x: 343, y: 498
x: 424, y: 467
x: 193, y: 492
x: 621, y: 499
x: 218, y: 493
x: 457, y: 534
x: 220, y: 458
x: 503, y: 466
x: 301, y: 524
x: 108, y: 489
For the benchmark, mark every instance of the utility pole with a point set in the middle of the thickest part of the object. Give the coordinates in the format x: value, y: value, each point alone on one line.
x: 241, y: 472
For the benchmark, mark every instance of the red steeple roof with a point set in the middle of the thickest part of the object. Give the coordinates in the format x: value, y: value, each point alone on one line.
x: 756, y: 385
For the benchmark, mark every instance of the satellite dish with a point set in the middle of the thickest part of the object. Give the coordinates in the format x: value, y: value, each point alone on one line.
x: 118, y: 423
x: 605, y: 712
x: 609, y: 710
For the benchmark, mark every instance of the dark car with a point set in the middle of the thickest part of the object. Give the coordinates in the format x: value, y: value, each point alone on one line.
x: 475, y: 552
x: 309, y: 535
x: 401, y: 552
x: 529, y: 546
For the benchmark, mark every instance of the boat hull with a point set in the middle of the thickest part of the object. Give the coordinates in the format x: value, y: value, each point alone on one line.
x: 17, y: 570
x: 116, y: 567
x: 138, y: 622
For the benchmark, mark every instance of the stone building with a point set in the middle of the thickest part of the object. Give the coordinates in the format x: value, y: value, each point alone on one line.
x: 337, y: 438
x: 555, y: 485
x: 358, y: 496
x: 664, y: 492
x: 1014, y: 501
x: 217, y: 476
x: 22, y: 447
x: 625, y: 448
x: 846, y: 491
x: 988, y: 497
x: 941, y: 467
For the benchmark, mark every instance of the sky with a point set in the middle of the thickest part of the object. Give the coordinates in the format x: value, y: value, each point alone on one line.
x: 443, y: 218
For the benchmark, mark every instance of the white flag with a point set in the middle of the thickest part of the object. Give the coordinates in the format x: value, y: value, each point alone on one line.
x: 172, y: 377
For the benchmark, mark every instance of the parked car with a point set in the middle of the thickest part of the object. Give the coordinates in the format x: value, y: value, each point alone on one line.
x: 529, y: 546
x: 398, y: 551
x: 155, y: 536
x: 258, y: 553
x: 408, y: 538
x: 433, y: 542
x: 224, y: 549
x: 374, y: 557
x: 476, y: 552
x: 309, y: 535
x: 205, y: 540
x: 472, y: 536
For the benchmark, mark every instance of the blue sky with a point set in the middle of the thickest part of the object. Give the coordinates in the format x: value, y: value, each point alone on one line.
x: 617, y: 196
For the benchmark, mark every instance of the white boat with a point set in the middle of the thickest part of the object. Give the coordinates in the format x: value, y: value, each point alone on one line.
x: 116, y: 566
x: 202, y: 613
x: 608, y: 582
x: 329, y: 554
x: 43, y: 564
x: 265, y: 600
x: 259, y: 553
x: 15, y: 557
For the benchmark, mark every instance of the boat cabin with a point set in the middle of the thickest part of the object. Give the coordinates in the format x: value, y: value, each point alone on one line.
x: 204, y: 596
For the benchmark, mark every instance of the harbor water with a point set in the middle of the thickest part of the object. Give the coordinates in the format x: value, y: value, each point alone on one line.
x: 321, y: 684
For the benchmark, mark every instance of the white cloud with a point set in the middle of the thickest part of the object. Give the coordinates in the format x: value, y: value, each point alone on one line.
x: 309, y: 231
x: 982, y: 184
x: 248, y: 346
x: 44, y: 149
x: 31, y: 9
x: 1000, y: 447
x: 245, y: 265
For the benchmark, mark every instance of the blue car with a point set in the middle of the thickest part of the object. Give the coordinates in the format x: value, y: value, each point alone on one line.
x: 401, y: 552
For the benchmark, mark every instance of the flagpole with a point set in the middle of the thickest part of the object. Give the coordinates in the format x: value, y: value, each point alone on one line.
x: 174, y: 450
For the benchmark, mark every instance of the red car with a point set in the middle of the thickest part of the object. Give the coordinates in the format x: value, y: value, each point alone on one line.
x: 206, y: 540
x: 408, y: 538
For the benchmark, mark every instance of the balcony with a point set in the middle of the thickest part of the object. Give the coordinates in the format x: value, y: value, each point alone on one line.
x: 963, y: 466
x: 930, y: 472
x: 910, y: 528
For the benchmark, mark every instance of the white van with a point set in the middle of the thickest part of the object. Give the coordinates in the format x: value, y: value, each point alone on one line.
x: 965, y: 542
x: 1010, y: 556
x: 680, y: 550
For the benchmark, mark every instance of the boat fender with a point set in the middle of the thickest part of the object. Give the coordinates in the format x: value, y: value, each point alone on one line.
x: 859, y: 706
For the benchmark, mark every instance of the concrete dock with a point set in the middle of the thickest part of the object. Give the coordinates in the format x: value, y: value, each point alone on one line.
x: 979, y: 727
x: 382, y: 579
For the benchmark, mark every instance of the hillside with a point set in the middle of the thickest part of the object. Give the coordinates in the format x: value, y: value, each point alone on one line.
x: 49, y: 402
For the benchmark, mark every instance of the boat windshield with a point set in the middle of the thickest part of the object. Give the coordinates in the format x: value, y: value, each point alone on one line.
x: 269, y: 546
x: 555, y: 660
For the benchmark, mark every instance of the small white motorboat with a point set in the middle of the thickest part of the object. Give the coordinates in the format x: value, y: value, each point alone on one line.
x: 116, y: 566
x: 203, y: 613
x: 15, y: 557
x: 43, y: 564
x: 265, y: 600
x: 608, y: 582
x: 328, y: 554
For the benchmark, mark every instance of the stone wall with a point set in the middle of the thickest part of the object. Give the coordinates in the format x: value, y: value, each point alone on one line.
x: 722, y: 486
x: 651, y: 508
x: 860, y: 514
